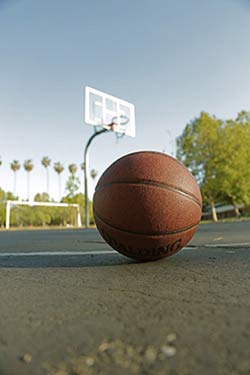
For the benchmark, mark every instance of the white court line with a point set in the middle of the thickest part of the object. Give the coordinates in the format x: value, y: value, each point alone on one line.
x: 239, y: 244
x: 52, y: 253
x: 63, y: 253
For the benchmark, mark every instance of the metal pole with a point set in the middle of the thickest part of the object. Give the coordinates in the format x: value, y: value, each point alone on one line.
x: 86, y: 173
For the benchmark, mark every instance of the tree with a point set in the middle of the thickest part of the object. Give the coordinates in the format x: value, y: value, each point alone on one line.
x: 72, y: 185
x: 4, y: 196
x: 243, y: 117
x: 82, y: 166
x: 42, y: 214
x: 46, y: 163
x: 236, y: 136
x: 44, y: 197
x: 59, y: 168
x: 93, y: 173
x: 15, y: 166
x: 218, y: 154
x: 72, y: 168
x: 28, y: 166
x: 2, y: 207
x: 73, y: 182
x: 79, y: 198
x: 199, y: 148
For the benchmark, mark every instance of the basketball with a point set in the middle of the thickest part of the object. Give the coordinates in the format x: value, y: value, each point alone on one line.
x: 147, y: 205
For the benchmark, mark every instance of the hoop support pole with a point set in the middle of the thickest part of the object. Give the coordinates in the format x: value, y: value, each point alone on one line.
x: 86, y: 173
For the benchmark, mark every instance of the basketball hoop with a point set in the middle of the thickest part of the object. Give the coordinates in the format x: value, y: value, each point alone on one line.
x: 118, y: 125
x: 99, y: 109
x: 120, y: 120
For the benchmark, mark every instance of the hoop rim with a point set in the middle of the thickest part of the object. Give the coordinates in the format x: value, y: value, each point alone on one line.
x: 121, y: 132
x: 115, y: 124
x: 124, y: 119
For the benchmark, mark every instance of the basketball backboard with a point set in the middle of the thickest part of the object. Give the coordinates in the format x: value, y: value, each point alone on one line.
x: 102, y: 110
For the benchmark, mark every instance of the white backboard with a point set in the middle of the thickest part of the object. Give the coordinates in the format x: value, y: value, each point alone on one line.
x: 101, y: 109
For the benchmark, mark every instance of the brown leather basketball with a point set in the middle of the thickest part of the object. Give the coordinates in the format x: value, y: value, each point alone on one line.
x: 147, y: 205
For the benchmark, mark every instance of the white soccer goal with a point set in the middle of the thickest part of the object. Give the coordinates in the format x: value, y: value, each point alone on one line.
x: 9, y: 204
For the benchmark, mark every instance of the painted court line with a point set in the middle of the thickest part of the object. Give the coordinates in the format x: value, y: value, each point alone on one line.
x: 62, y: 253
x: 57, y: 253
x: 239, y: 244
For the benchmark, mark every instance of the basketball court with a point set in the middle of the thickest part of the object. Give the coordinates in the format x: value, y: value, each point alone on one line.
x: 71, y: 303
x: 115, y: 142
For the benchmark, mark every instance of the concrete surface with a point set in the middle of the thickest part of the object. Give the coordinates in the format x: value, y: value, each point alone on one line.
x: 102, y: 313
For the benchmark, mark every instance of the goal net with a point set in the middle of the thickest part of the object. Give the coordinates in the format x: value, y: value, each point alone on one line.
x: 63, y: 217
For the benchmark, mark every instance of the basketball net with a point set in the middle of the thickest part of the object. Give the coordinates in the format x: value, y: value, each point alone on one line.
x: 113, y: 127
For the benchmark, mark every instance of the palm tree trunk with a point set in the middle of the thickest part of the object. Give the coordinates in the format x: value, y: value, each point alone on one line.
x: 47, y: 172
x: 60, y: 187
x: 28, y: 186
x: 14, y: 185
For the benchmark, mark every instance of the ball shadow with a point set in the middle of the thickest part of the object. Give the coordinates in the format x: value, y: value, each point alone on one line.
x: 64, y: 261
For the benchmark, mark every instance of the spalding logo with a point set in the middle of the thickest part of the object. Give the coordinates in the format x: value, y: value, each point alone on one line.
x: 153, y: 252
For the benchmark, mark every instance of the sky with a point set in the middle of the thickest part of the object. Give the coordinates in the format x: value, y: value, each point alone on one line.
x: 171, y: 58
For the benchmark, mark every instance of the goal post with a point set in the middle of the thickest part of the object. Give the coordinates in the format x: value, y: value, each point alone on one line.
x: 10, y: 203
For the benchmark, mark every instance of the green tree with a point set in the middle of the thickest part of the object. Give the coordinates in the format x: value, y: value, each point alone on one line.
x: 236, y: 171
x: 72, y: 168
x: 218, y: 154
x: 79, y: 198
x: 42, y: 214
x: 93, y: 173
x: 199, y: 148
x: 28, y: 166
x: 46, y: 161
x: 243, y: 117
x: 72, y: 185
x: 4, y: 196
x: 73, y: 182
x: 44, y: 197
x: 82, y: 166
x: 15, y: 166
x: 59, y: 168
x: 2, y: 207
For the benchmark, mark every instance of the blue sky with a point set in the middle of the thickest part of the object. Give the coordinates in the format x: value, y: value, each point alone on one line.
x: 172, y: 59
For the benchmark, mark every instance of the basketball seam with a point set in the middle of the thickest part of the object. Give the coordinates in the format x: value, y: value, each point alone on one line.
x: 160, y: 233
x: 151, y: 152
x: 159, y: 153
x: 156, y: 184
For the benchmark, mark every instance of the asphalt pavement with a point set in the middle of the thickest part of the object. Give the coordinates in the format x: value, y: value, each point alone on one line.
x: 70, y: 305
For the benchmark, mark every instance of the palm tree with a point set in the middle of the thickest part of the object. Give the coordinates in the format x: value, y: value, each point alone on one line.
x: 28, y: 166
x: 93, y: 173
x: 82, y: 166
x: 72, y: 168
x: 73, y: 182
x: 15, y: 166
x: 58, y: 167
x: 46, y: 163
